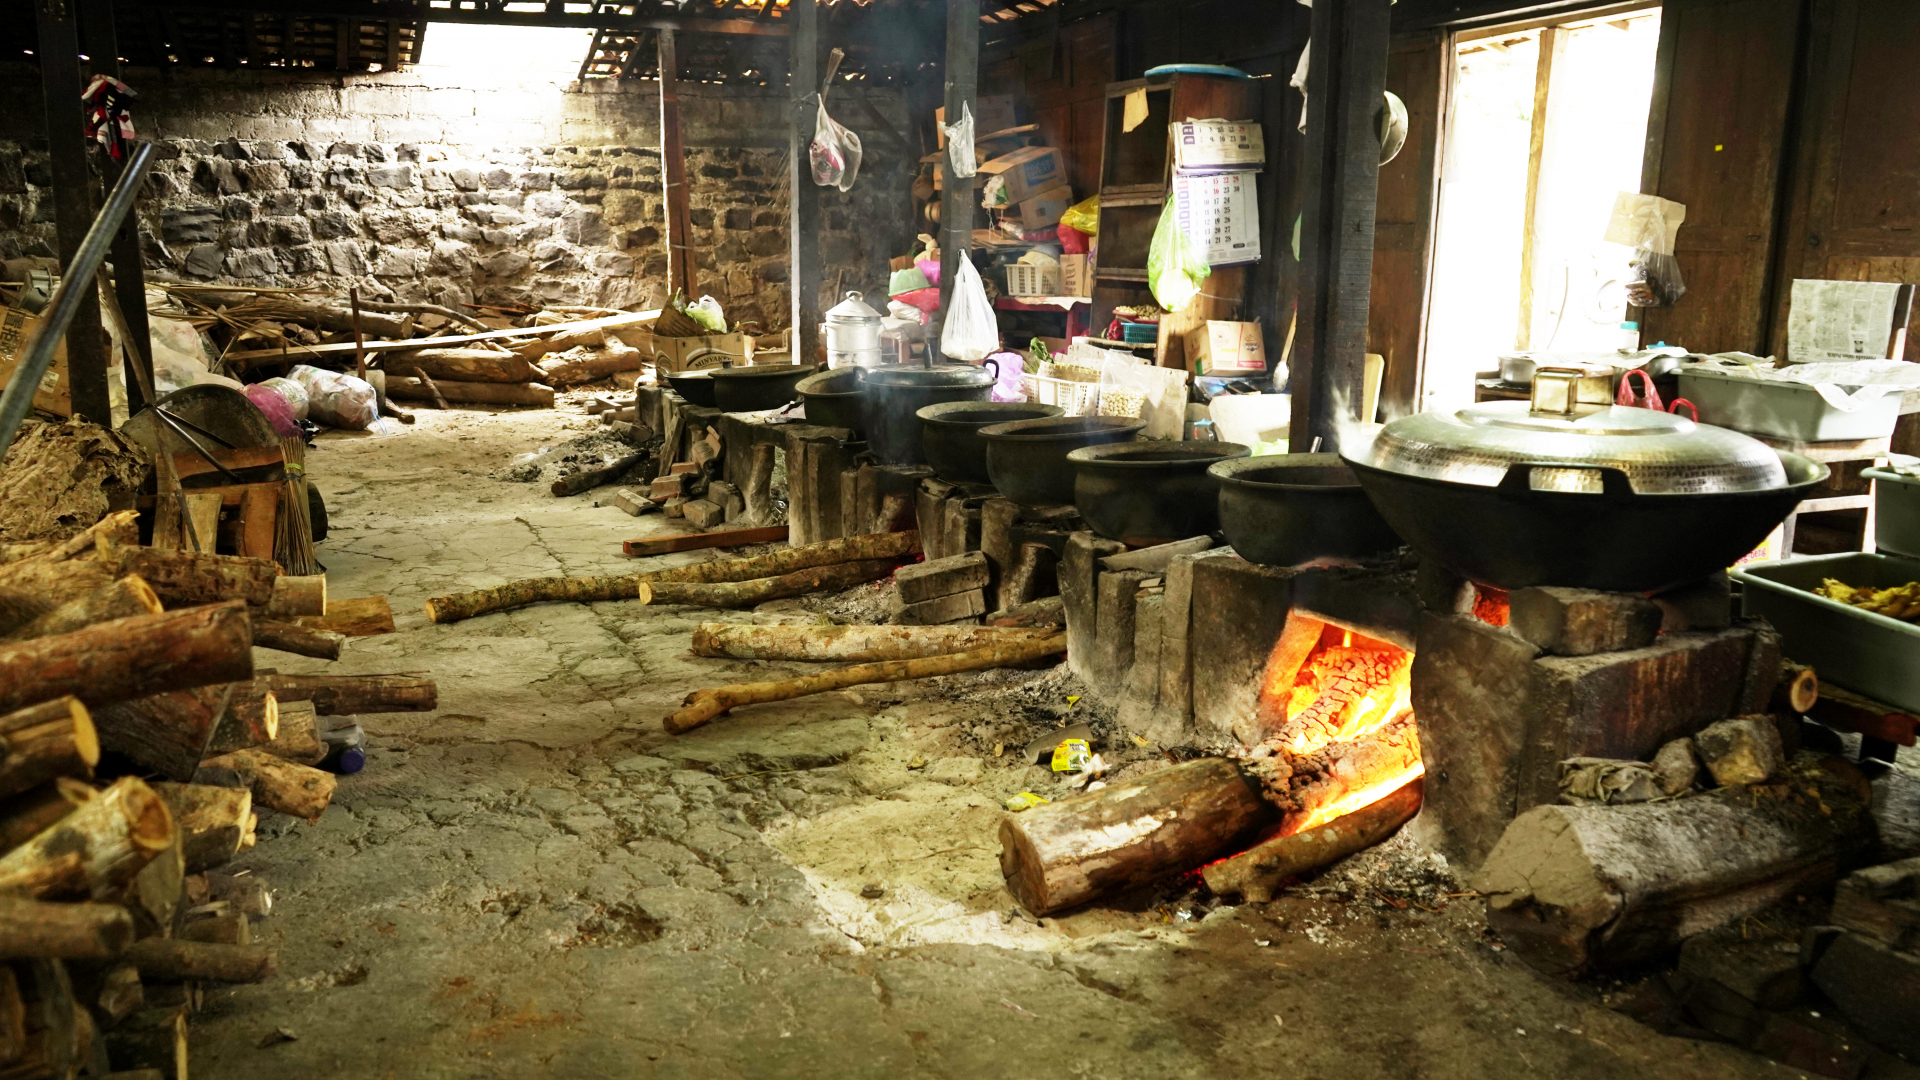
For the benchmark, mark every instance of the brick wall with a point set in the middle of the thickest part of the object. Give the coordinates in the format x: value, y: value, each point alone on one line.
x: 495, y: 193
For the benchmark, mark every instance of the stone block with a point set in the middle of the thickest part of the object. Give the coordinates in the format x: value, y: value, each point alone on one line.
x: 632, y: 502
x: 667, y: 487
x: 815, y: 459
x: 996, y: 541
x: 1706, y: 604
x: 702, y: 514
x: 1079, y: 591
x: 1382, y: 601
x: 1883, y: 903
x: 1676, y: 767
x: 1743, y: 750
x: 1035, y: 574
x: 1155, y: 559
x: 1580, y: 622
x: 962, y: 528
x: 727, y: 497
x: 1236, y: 612
x: 1753, y: 966
x: 1876, y: 987
x: 943, y: 609
x: 1172, y: 720
x: 1113, y: 641
x: 1142, y: 698
x: 930, y: 516
x: 941, y: 577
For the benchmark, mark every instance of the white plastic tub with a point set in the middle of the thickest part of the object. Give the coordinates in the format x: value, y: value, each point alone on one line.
x: 1782, y: 410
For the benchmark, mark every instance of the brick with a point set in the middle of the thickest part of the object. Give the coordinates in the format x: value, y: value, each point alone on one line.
x: 1079, y: 590
x: 702, y: 514
x: 1706, y: 604
x: 1113, y: 641
x: 941, y: 577
x: 1156, y: 558
x: 962, y: 528
x: 632, y: 502
x: 681, y: 468
x: 727, y: 498
x: 1581, y: 622
x: 667, y: 487
x: 1142, y: 699
x: 996, y: 541
x: 944, y: 609
x: 1743, y: 750
x: 1237, y: 612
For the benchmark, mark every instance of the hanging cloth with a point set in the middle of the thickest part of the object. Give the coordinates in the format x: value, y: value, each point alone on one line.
x: 108, y: 118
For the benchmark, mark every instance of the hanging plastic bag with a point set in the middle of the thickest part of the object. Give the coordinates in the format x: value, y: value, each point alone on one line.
x: 1649, y: 225
x: 960, y: 143
x: 1084, y: 216
x: 1175, y: 270
x: 336, y: 400
x: 835, y: 152
x: 971, y: 331
x: 708, y: 314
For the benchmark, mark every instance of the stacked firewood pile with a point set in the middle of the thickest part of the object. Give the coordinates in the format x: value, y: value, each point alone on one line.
x: 138, y: 746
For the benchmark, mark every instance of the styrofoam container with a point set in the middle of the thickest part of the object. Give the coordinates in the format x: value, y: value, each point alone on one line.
x: 1896, y: 511
x: 1251, y: 418
x: 1782, y: 410
x: 1867, y: 653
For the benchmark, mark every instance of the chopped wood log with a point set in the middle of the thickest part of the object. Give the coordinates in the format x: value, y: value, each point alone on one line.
x: 388, y: 408
x: 229, y: 927
x: 475, y: 393
x: 186, y: 578
x: 1577, y: 889
x: 164, y: 960
x: 299, y: 640
x: 283, y: 307
x: 1131, y: 832
x: 623, y: 319
x: 295, y: 595
x: 167, y: 733
x: 299, y: 737
x: 1798, y: 690
x: 747, y: 641
x: 739, y: 594
x: 129, y: 596
x: 113, y: 991
x: 351, y: 695
x: 1257, y: 873
x: 251, y: 718
x: 703, y: 705
x: 94, y: 851
x: 448, y: 313
x: 40, y: 742
x: 575, y: 372
x: 463, y: 365
x: 31, y: 813
x: 445, y: 609
x: 1046, y: 611
x: 278, y: 784
x: 85, y: 931
x: 587, y: 479
x: 212, y: 822
x: 151, y: 1040
x: 31, y: 588
x: 153, y: 897
x: 244, y: 892
x: 54, y: 1034
x: 359, y: 616
x: 664, y: 545
x: 433, y: 390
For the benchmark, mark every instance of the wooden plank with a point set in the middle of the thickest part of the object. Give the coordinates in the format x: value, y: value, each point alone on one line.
x: 664, y: 545
x: 1553, y: 46
x: 962, y: 87
x: 301, y: 352
x: 188, y: 464
x: 1849, y: 711
x: 259, y: 508
x: 1419, y: 70
x: 359, y: 616
x: 803, y: 195
x: 673, y: 165
x: 74, y: 193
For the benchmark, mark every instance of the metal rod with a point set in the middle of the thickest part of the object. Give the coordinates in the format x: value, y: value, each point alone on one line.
x: 76, y: 283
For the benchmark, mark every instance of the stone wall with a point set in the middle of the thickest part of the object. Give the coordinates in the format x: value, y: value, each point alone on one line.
x: 494, y: 193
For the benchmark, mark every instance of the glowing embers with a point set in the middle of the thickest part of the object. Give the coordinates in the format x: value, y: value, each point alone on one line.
x: 1489, y: 604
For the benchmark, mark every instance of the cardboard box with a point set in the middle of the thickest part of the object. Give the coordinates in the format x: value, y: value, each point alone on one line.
x: 991, y: 113
x: 1217, y: 144
x: 1028, y: 172
x: 678, y: 353
x: 1043, y: 210
x: 1218, y: 347
x: 16, y: 331
x: 1076, y: 276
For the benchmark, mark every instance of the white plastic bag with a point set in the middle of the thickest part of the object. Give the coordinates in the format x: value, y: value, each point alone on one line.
x: 971, y: 331
x: 960, y: 143
x: 835, y: 152
x: 336, y: 400
x: 290, y: 392
x: 1157, y: 395
x: 709, y: 314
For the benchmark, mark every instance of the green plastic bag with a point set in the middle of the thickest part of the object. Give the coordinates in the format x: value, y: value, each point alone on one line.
x: 1175, y: 270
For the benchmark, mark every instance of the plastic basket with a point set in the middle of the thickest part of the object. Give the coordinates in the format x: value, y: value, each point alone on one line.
x: 1026, y: 279
x: 1077, y: 398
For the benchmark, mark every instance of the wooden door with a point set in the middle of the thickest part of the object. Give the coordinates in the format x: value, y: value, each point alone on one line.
x: 1418, y: 72
x: 1717, y: 141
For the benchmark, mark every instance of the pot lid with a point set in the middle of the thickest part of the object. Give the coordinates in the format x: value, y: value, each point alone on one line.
x: 852, y: 310
x: 936, y: 375
x: 1658, y: 453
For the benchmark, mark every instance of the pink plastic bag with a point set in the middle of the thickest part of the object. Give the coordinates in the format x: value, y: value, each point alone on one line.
x: 276, y: 410
x: 927, y: 299
x: 1072, y: 241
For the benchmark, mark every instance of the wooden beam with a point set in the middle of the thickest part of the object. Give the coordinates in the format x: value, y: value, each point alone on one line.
x: 74, y: 194
x: 956, y: 195
x: 129, y: 267
x: 665, y: 545
x: 673, y: 174
x: 803, y: 226
x: 1345, y: 84
x: 421, y: 12
x: 1553, y: 43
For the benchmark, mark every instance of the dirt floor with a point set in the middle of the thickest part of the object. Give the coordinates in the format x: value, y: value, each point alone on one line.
x: 537, y: 881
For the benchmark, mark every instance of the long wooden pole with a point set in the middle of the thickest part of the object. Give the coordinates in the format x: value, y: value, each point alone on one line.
x: 956, y: 193
x: 803, y: 195
x: 73, y: 194
x: 673, y: 174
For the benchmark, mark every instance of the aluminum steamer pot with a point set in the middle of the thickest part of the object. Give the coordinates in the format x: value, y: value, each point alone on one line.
x: 1150, y: 492
x: 852, y: 333
x: 891, y: 396
x: 1289, y: 509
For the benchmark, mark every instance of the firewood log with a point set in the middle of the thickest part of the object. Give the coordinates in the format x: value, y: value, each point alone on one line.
x: 168, y: 733
x: 130, y: 595
x: 1577, y: 889
x: 130, y: 658
x: 84, y: 931
x: 739, y: 594
x: 462, y: 365
x: 446, y: 609
x: 1131, y: 832
x: 295, y: 595
x: 185, y: 578
x: 299, y: 737
x: 1798, y: 690
x: 1257, y: 873
x: 113, y: 991
x: 152, y: 898
x: 170, y: 960
x: 587, y: 479
x: 151, y: 1039
x: 573, y: 372
x: 351, y: 695
x: 229, y: 927
x: 244, y: 892
x: 93, y: 851
x: 297, y: 639
x: 747, y: 641
x: 31, y: 813
x: 478, y: 393
x: 703, y: 705
x: 55, y: 1034
x: 53, y: 738
x: 252, y: 718
x: 211, y: 820
x: 278, y: 784
x: 32, y: 588
x: 359, y: 616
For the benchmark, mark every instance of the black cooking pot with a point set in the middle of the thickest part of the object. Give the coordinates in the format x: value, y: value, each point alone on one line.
x: 1511, y: 536
x: 1150, y: 492
x: 756, y: 388
x: 695, y: 386
x: 1288, y: 509
x: 832, y: 398
x: 1027, y: 459
x: 950, y: 434
x: 891, y: 396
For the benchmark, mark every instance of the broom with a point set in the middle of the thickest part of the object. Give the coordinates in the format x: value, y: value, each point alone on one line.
x: 293, y: 533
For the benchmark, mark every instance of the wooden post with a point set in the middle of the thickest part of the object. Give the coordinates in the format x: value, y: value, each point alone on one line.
x: 73, y: 201
x: 673, y: 173
x: 129, y: 267
x: 803, y: 225
x: 1345, y: 84
x: 956, y: 193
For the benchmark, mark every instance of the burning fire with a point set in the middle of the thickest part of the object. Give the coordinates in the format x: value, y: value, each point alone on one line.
x: 1490, y: 605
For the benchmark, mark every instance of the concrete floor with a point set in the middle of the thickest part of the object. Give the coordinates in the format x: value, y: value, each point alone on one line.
x: 537, y: 881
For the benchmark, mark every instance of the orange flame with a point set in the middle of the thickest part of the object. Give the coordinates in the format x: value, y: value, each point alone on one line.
x: 1490, y: 605
x: 1356, y: 800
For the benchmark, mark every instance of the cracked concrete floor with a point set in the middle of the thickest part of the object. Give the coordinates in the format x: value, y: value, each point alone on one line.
x: 537, y: 881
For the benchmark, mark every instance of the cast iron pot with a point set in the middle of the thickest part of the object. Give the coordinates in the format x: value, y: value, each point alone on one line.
x: 753, y: 389
x: 891, y: 396
x: 1150, y: 492
x: 696, y: 386
x: 1027, y: 459
x: 1511, y: 536
x: 1288, y: 509
x: 832, y: 398
x: 950, y: 434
